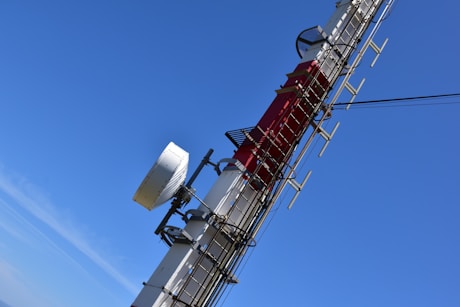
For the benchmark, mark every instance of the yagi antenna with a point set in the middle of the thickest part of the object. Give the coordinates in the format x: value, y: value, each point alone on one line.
x: 164, y: 178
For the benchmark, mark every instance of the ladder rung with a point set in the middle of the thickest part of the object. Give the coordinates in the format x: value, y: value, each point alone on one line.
x: 328, y: 139
x: 298, y: 187
x: 378, y: 50
x: 353, y: 91
x: 291, y: 115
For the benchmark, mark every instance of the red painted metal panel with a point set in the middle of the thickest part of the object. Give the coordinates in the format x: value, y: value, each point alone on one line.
x: 284, y: 122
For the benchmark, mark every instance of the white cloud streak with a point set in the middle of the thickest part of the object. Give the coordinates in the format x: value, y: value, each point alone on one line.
x: 15, y: 289
x: 24, y: 223
x: 43, y: 210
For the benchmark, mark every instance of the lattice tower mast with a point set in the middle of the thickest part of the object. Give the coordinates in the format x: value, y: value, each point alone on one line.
x: 205, y: 254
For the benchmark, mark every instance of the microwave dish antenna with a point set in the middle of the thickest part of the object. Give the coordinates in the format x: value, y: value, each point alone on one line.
x: 164, y: 179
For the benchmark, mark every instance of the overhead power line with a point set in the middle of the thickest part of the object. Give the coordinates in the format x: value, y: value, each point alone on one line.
x: 393, y: 101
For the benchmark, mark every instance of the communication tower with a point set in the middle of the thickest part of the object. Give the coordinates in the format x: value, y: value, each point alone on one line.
x: 205, y: 253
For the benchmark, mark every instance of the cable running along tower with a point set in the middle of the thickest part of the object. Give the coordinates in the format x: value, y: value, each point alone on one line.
x: 205, y: 253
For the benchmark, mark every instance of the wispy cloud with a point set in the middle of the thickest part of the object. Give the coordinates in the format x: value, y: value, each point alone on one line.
x: 30, y: 198
x: 8, y: 227
x: 16, y: 291
x: 19, y: 232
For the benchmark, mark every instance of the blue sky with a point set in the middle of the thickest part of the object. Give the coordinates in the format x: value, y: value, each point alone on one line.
x: 92, y: 91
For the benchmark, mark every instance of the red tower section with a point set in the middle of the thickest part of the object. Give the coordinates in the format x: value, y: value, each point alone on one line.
x: 269, y: 145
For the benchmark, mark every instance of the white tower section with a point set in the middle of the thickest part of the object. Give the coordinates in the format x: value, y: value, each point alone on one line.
x: 342, y: 33
x: 169, y: 278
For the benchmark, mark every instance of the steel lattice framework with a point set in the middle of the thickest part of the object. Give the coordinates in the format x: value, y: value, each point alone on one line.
x: 206, y: 254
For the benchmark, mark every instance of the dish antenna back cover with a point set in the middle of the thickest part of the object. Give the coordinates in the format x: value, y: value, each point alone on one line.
x: 164, y: 178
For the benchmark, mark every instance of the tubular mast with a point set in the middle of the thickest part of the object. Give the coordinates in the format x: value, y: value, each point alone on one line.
x: 205, y: 254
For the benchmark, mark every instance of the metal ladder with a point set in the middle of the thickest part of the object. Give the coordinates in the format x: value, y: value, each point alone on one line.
x: 217, y: 260
x: 220, y: 257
